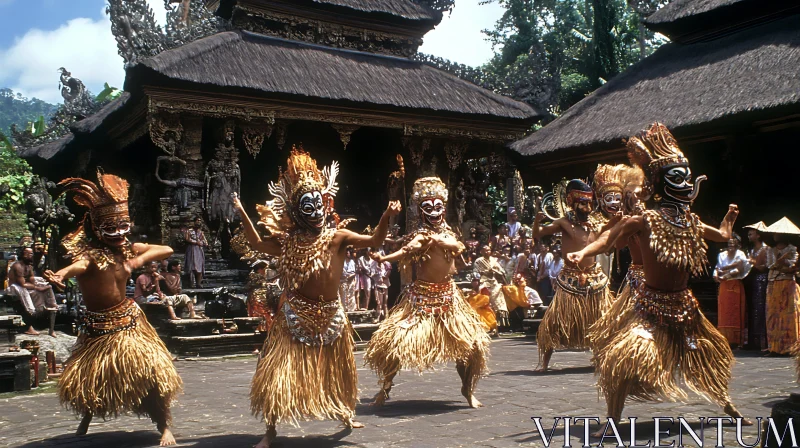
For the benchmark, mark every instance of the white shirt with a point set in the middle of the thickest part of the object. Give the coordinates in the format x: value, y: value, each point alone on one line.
x: 545, y: 262
x: 513, y: 228
x: 533, y: 296
x: 348, y: 270
x: 724, y: 259
x: 554, y: 268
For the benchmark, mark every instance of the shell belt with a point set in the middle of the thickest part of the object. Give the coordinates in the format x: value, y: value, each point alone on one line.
x: 582, y: 282
x: 118, y: 318
x: 313, y: 322
x: 666, y: 309
x: 430, y: 298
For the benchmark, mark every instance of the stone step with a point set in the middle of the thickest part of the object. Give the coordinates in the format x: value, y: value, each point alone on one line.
x: 363, y: 332
x: 215, y: 345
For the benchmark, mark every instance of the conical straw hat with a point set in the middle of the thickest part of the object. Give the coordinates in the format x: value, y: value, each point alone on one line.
x: 760, y: 226
x: 783, y: 226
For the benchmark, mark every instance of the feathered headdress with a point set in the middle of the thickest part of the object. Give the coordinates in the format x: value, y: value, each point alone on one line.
x: 107, y: 198
x: 428, y: 188
x: 607, y: 178
x: 301, y: 176
x: 655, y: 148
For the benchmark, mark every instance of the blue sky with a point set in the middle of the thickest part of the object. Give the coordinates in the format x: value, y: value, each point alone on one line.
x: 39, y: 36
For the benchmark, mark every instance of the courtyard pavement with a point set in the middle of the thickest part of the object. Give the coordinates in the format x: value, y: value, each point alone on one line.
x: 424, y: 411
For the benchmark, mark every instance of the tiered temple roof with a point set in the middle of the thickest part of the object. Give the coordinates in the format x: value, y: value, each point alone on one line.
x: 750, y: 72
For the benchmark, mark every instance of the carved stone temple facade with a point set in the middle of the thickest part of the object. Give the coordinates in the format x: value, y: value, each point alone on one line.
x: 219, y: 113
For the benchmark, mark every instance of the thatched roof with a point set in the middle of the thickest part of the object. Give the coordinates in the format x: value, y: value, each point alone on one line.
x: 86, y: 126
x: 240, y: 59
x: 48, y: 150
x: 679, y: 9
x: 403, y: 8
x: 751, y: 71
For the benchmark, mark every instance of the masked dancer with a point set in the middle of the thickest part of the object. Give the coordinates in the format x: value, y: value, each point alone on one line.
x: 118, y: 363
x: 581, y: 289
x: 601, y: 333
x: 607, y: 187
x: 307, y: 369
x: 665, y: 336
x: 432, y: 322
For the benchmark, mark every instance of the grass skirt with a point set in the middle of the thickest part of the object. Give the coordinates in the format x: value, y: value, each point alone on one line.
x: 427, y: 328
x: 611, y: 322
x: 112, y: 373
x: 573, y: 310
x: 647, y: 355
x: 295, y: 381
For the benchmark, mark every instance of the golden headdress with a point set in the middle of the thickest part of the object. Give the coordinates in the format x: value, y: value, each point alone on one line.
x: 301, y: 176
x: 428, y: 188
x: 655, y: 148
x: 607, y: 178
x: 107, y: 198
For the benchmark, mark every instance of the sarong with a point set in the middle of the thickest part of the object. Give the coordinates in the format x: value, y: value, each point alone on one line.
x: 118, y: 364
x: 662, y: 339
x: 195, y: 259
x: 431, y: 324
x: 757, y: 331
x: 307, y: 369
x: 783, y: 315
x: 731, y: 311
x: 579, y: 301
x: 480, y: 303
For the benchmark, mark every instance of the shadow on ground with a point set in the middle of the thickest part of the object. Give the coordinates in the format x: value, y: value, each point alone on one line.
x: 552, y: 371
x: 142, y: 439
x: 400, y: 408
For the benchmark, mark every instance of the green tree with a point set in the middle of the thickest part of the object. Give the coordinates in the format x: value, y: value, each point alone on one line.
x: 15, y: 108
x: 15, y: 175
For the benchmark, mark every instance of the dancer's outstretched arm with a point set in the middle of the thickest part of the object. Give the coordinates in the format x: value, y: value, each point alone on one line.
x: 359, y: 241
x: 269, y: 246
x: 723, y: 234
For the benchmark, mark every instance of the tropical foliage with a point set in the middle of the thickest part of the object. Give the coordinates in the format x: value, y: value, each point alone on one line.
x: 15, y: 108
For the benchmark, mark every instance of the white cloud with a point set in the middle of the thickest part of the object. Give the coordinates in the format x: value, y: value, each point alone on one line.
x: 459, y: 37
x: 83, y: 46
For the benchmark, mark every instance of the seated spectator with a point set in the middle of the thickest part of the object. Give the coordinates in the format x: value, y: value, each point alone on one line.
x: 148, y: 290
x: 35, y: 294
x: 174, y: 290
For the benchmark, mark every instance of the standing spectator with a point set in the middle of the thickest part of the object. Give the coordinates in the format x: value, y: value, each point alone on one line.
x: 35, y: 295
x: 380, y: 271
x: 555, y: 266
x: 364, y: 280
x: 513, y: 223
x: 523, y: 261
x: 492, y: 278
x: 173, y: 290
x: 508, y: 263
x: 543, y: 277
x: 757, y: 287
x: 501, y: 240
x: 147, y: 289
x: 348, y: 286
x: 732, y: 267
x: 783, y: 298
x: 195, y: 256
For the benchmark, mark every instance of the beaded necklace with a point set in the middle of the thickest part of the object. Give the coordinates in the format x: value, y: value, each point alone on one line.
x: 677, y: 241
x: 303, y: 254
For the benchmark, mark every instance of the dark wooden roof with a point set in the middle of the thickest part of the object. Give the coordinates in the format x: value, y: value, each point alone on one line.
x: 240, y: 59
x: 407, y: 9
x: 752, y: 71
x: 693, y: 20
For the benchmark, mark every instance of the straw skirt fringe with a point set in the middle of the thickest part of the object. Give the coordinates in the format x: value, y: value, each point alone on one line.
x: 295, y: 382
x: 453, y: 335
x: 566, y: 322
x: 115, y: 373
x: 647, y: 362
x: 612, y: 322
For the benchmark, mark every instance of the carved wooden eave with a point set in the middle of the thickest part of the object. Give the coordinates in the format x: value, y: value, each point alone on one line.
x: 290, y: 21
x: 274, y: 111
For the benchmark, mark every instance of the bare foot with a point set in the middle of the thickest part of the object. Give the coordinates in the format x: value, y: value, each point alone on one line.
x: 380, y: 398
x: 167, y: 439
x: 268, y: 438
x: 175, y: 318
x: 83, y: 428
x: 52, y: 334
x: 599, y: 433
x: 350, y: 423
x: 31, y: 332
x: 731, y: 410
x: 471, y: 400
x: 542, y: 369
